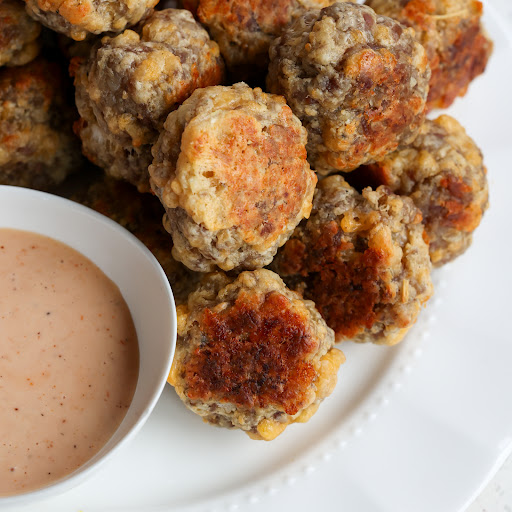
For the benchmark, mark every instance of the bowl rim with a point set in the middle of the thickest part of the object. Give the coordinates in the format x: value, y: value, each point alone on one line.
x: 92, y: 465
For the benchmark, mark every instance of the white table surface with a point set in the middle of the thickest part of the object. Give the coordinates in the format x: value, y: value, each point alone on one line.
x: 497, y: 495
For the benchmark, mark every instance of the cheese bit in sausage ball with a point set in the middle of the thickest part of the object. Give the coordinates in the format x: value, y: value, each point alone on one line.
x: 443, y: 173
x: 142, y: 215
x: 79, y: 18
x: 37, y: 145
x: 252, y: 354
x: 131, y: 82
x: 362, y: 259
x: 18, y: 34
x: 456, y: 45
x: 230, y: 168
x: 356, y: 80
x: 245, y: 29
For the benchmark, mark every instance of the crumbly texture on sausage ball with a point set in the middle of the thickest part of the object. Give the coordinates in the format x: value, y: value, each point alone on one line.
x: 357, y: 81
x: 141, y: 214
x: 442, y: 171
x: 362, y: 259
x: 457, y: 47
x: 231, y: 170
x: 131, y: 82
x: 18, y: 34
x: 252, y: 354
x: 37, y: 145
x: 245, y: 29
x: 79, y: 18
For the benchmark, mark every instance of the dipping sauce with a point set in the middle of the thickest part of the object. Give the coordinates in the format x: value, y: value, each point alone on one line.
x: 69, y: 360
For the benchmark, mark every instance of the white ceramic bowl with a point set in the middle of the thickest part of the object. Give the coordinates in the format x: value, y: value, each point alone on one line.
x: 145, y: 288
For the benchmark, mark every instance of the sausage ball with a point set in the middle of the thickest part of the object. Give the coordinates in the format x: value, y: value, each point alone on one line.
x: 18, y: 34
x: 443, y: 173
x: 37, y: 145
x: 252, y: 354
x: 79, y: 18
x: 456, y: 45
x: 362, y: 259
x: 230, y: 168
x: 245, y: 29
x: 131, y: 82
x: 141, y: 214
x: 356, y: 80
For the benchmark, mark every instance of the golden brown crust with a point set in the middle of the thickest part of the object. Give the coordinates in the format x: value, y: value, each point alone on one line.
x: 252, y: 355
x: 455, y: 42
x: 37, y: 146
x: 18, y: 34
x: 79, y: 18
x: 348, y: 302
x: 231, y: 170
x: 357, y: 81
x: 237, y: 150
x: 362, y: 260
x: 283, y: 369
x: 442, y: 171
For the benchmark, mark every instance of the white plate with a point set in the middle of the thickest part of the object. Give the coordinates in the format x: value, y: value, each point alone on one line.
x: 417, y: 427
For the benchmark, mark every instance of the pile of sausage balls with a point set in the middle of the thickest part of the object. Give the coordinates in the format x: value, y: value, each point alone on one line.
x: 305, y: 196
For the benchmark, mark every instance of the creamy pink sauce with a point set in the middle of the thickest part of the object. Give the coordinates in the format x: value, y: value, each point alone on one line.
x: 69, y: 360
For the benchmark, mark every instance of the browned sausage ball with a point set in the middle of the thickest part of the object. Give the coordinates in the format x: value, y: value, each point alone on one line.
x: 456, y: 45
x: 362, y: 260
x: 443, y: 173
x: 356, y: 80
x: 244, y: 29
x: 78, y: 18
x: 37, y: 145
x: 252, y: 354
x: 18, y: 34
x: 230, y: 168
x: 142, y: 215
x: 131, y: 82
